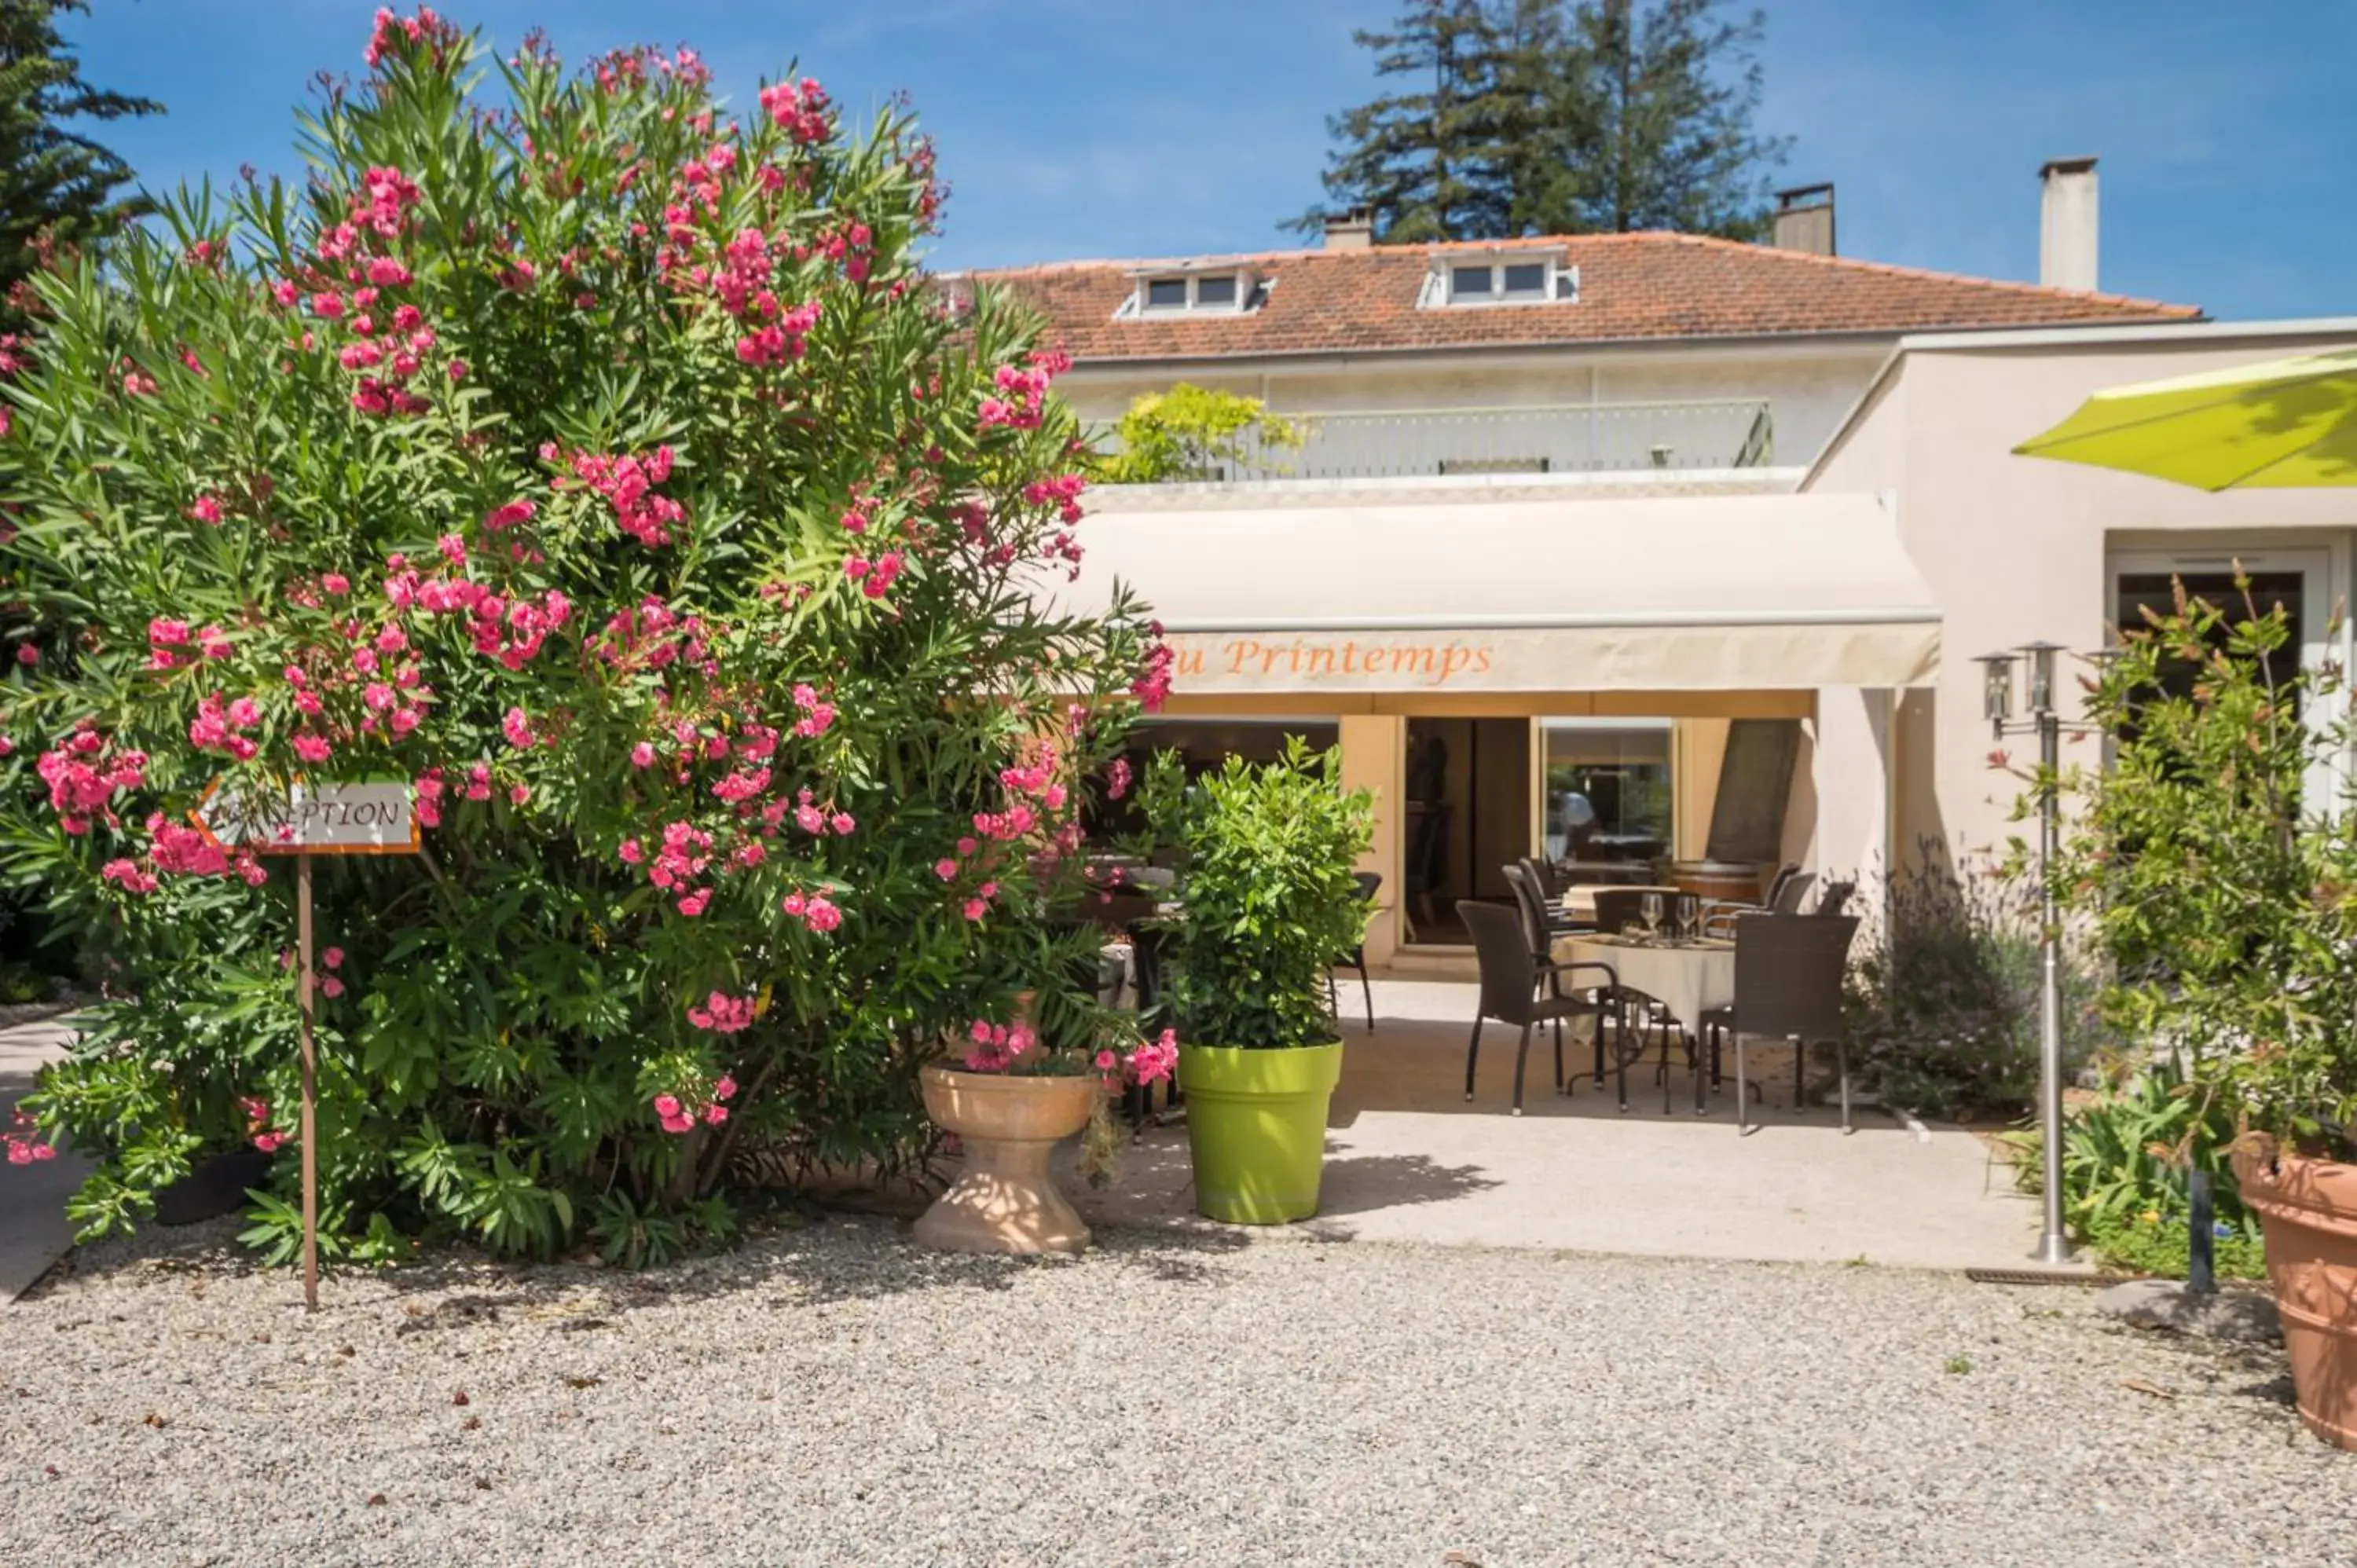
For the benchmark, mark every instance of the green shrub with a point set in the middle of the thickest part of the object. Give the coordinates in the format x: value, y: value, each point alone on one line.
x: 1191, y: 433
x: 2127, y: 1159
x: 2223, y: 890
x: 607, y: 467
x: 1941, y: 994
x: 1265, y: 857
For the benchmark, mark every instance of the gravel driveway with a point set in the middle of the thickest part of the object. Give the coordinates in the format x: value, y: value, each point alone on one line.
x: 831, y: 1396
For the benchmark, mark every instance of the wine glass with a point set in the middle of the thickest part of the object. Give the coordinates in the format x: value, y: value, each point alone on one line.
x: 1651, y: 907
x: 1689, y: 911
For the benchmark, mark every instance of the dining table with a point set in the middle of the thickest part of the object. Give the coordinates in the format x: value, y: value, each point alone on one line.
x: 1686, y: 977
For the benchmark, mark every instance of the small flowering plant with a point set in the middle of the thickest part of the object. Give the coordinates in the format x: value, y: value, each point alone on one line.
x: 601, y: 462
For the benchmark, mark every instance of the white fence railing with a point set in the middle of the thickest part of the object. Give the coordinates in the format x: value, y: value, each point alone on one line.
x: 1574, y: 438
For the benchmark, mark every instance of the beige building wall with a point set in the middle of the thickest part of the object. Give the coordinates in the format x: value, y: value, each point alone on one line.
x: 1374, y: 756
x: 2017, y: 549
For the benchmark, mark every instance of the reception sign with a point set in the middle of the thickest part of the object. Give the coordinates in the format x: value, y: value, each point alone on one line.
x: 301, y: 817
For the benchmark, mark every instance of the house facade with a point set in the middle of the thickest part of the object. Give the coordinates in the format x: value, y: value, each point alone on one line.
x: 1626, y: 550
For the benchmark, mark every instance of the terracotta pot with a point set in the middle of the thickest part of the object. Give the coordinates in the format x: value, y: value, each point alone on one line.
x: 1006, y: 1200
x: 2308, y: 1208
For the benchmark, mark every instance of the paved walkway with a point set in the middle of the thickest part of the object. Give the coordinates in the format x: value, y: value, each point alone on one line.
x: 1409, y: 1159
x: 33, y: 1230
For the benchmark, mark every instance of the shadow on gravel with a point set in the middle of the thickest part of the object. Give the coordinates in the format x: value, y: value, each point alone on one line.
x: 832, y: 1257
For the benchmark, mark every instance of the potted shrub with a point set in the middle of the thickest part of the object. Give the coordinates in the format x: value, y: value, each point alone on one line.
x: 1263, y: 857
x: 1010, y: 1093
x: 2225, y: 891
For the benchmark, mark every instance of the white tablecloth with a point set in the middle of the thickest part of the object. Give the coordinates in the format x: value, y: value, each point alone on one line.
x: 1687, y: 981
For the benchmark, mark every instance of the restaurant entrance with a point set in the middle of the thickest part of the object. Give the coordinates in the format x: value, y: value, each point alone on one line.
x: 1465, y: 815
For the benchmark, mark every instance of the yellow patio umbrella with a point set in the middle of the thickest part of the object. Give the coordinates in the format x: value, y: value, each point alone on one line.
x: 2282, y: 424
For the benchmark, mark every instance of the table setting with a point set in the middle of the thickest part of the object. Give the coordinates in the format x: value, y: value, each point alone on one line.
x: 1665, y: 960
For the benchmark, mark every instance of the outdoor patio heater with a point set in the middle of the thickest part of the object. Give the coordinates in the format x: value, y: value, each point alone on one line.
x: 2043, y: 721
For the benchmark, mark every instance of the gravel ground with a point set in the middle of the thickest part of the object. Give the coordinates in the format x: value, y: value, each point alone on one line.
x: 833, y: 1396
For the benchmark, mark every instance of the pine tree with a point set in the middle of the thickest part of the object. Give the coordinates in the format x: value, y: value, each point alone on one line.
x: 1425, y: 161
x: 56, y: 184
x: 1558, y: 117
x: 1657, y: 109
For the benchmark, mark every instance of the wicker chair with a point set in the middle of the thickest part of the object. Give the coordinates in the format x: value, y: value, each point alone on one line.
x: 1370, y: 884
x: 1788, y: 984
x: 1510, y: 978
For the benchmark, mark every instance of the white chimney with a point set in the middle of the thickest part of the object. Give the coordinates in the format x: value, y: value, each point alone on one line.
x: 2066, y: 223
x: 1351, y: 230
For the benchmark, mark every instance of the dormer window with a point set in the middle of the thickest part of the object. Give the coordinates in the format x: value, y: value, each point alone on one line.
x: 1209, y: 288
x: 1498, y: 278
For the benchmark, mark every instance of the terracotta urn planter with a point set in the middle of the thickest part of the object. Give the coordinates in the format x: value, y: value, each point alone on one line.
x: 1006, y: 1200
x: 2308, y: 1208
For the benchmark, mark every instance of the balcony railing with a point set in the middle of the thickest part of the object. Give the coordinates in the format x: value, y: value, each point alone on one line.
x: 1573, y: 438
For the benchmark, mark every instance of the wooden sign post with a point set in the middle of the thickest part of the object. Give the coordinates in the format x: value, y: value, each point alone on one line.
x: 303, y: 818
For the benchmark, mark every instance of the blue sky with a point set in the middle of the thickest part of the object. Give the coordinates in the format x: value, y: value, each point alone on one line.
x: 1072, y: 128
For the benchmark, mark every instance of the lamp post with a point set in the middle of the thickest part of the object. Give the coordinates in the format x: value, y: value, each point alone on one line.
x: 2043, y: 720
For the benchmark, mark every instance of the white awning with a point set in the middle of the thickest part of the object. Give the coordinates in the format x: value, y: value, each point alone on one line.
x: 1663, y: 593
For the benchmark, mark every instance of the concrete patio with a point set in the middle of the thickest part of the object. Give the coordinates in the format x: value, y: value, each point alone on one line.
x: 1409, y: 1159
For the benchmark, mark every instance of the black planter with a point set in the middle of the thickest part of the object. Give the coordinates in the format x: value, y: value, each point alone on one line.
x: 217, y: 1187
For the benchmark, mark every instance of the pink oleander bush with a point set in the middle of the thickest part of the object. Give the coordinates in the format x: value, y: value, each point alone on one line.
x: 603, y: 465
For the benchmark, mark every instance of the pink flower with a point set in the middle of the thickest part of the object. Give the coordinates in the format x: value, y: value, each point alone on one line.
x: 695, y: 903
x: 724, y: 1088
x: 666, y: 1105
x: 679, y: 1122
x: 268, y: 1142
x: 127, y: 875
x: 457, y: 369
x: 642, y: 755
x: 517, y: 728
x: 715, y: 1114
x: 945, y: 869
x: 313, y: 749
x: 975, y: 908
x: 207, y: 509
x: 331, y: 986
x: 518, y: 794
x: 28, y: 655
x: 1153, y: 1060
x: 631, y: 852
x: 336, y: 582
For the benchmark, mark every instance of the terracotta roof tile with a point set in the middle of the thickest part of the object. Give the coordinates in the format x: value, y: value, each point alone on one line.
x: 1631, y: 286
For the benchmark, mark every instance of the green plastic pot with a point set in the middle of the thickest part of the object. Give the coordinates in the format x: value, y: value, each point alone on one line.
x: 1256, y: 1125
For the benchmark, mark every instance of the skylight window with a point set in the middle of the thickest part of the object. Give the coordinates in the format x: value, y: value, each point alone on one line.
x: 1499, y: 280
x: 1213, y: 290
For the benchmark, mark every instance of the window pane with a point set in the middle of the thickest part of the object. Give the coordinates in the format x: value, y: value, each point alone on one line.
x: 1526, y: 278
x: 1215, y: 291
x: 1606, y: 811
x: 1166, y: 291
x: 1469, y: 282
